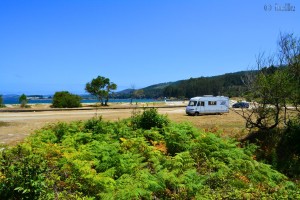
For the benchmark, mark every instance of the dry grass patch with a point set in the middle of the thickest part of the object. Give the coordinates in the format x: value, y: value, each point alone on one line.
x: 227, y: 125
x: 4, y: 124
x: 19, y: 125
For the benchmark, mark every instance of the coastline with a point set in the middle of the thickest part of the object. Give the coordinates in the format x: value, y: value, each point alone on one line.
x: 12, y: 101
x: 38, y: 107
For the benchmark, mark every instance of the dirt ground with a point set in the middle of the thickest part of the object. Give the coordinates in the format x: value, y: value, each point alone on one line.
x: 15, y: 126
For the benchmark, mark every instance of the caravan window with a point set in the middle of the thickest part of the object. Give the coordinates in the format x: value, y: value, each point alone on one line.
x: 212, y: 103
x: 200, y: 103
x: 192, y: 103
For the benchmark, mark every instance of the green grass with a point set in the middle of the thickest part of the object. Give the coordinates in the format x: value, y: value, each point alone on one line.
x: 3, y: 124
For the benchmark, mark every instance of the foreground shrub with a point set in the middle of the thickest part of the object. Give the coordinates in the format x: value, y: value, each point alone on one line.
x: 149, y: 118
x: 288, y: 149
x: 65, y: 99
x: 280, y: 148
x: 117, y: 160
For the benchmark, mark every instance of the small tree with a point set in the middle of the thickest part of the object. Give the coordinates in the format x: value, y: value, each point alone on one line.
x: 64, y: 99
x: 274, y: 88
x: 289, y: 55
x: 23, y: 100
x: 270, y: 93
x: 111, y: 86
x: 1, y: 102
x: 101, y: 88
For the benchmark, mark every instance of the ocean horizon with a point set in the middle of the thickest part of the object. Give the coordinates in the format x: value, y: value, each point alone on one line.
x: 15, y: 100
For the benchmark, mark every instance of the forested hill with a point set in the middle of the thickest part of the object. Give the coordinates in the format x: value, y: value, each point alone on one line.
x: 230, y: 84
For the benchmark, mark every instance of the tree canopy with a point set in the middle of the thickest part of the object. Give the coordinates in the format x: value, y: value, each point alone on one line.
x: 64, y: 99
x: 274, y: 89
x: 100, y: 87
x: 273, y: 119
x: 1, y: 102
x: 23, y: 100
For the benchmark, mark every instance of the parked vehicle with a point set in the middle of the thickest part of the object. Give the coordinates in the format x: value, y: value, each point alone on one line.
x: 207, y: 104
x: 241, y: 105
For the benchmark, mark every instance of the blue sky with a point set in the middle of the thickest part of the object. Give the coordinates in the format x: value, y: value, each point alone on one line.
x: 55, y: 45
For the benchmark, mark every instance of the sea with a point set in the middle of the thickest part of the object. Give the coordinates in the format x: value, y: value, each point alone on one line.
x: 15, y: 100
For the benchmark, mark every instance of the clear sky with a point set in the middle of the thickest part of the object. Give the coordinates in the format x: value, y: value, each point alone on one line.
x: 55, y: 45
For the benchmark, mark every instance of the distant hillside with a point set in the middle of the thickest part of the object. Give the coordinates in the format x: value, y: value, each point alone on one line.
x: 229, y: 84
x: 156, y: 91
x: 125, y: 92
x: 153, y: 91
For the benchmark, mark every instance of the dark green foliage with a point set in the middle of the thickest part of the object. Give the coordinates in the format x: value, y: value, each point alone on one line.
x: 177, y: 135
x: 101, y: 88
x: 227, y: 84
x: 117, y: 160
x: 280, y: 148
x: 274, y: 116
x: 149, y: 119
x: 59, y: 130
x: 1, y: 102
x: 230, y: 84
x: 24, y: 173
x: 23, y: 100
x: 64, y: 99
x: 274, y: 89
x: 288, y: 150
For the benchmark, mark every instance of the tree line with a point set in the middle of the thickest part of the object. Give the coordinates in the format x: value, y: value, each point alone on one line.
x: 227, y: 85
x: 230, y: 84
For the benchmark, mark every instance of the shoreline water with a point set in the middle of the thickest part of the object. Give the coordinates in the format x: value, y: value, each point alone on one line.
x: 113, y: 106
x: 14, y: 101
x: 92, y: 105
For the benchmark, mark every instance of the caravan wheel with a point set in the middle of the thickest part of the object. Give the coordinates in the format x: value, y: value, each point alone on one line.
x: 196, y: 114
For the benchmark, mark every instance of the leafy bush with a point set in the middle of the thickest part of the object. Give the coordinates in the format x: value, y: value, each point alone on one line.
x: 280, y: 148
x: 65, y: 99
x: 23, y: 101
x: 117, y: 160
x: 288, y: 149
x: 23, y: 175
x: 149, y: 119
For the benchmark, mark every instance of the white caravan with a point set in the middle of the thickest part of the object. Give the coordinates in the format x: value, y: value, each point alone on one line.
x: 208, y: 104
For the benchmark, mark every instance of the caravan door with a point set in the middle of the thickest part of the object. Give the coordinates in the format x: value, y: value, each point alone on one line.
x: 201, y: 107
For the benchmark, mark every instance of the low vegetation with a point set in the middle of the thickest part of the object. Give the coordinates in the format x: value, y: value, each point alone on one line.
x: 2, y: 105
x: 280, y: 148
x: 23, y: 101
x: 3, y: 123
x: 64, y: 99
x: 143, y: 157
